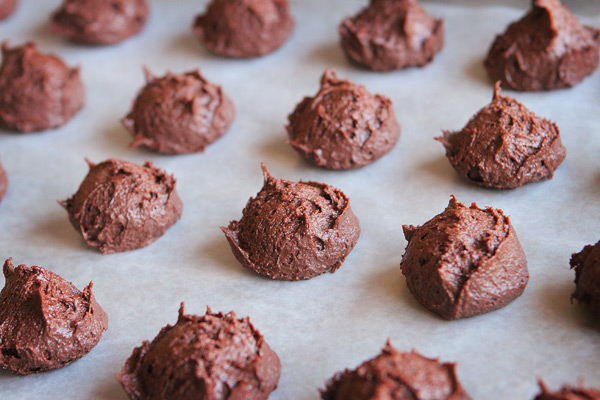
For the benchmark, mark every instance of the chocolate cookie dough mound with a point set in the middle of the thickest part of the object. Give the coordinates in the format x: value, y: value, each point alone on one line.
x: 568, y: 393
x: 392, y: 34
x: 396, y: 375
x: 343, y: 126
x: 587, y: 277
x: 100, y: 21
x: 464, y: 262
x: 3, y: 182
x: 7, y: 7
x: 123, y: 206
x: 179, y: 113
x: 547, y: 49
x: 212, y: 357
x: 45, y: 322
x: 505, y: 146
x: 292, y: 231
x: 37, y: 91
x: 244, y: 28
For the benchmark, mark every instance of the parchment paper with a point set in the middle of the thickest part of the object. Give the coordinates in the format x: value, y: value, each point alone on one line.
x: 334, y: 321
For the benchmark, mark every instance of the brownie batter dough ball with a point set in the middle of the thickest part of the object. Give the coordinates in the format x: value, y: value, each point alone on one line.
x: 3, y: 182
x: 343, y: 126
x: 244, y: 28
x: 7, y: 7
x: 123, y: 206
x: 179, y: 114
x: 587, y: 277
x: 292, y: 231
x: 464, y: 262
x: 45, y: 322
x: 547, y: 49
x: 392, y: 34
x: 37, y: 91
x: 396, y: 375
x: 100, y: 21
x: 568, y: 392
x: 212, y: 357
x: 505, y: 146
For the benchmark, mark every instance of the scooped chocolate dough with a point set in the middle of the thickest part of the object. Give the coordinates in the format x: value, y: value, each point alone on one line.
x: 37, y: 91
x: 343, y: 126
x: 464, y: 262
x: 100, y: 22
x: 292, y: 231
x: 392, y: 34
x: 45, y: 322
x: 547, y: 49
x: 179, y: 113
x: 7, y: 7
x: 244, y: 28
x: 123, y: 206
x: 212, y: 357
x: 568, y: 393
x: 395, y: 375
x: 587, y: 277
x: 505, y: 146
x: 3, y: 182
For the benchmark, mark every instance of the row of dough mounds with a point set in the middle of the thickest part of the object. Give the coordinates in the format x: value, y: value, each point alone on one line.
x: 47, y: 323
x: 386, y: 35
x: 463, y: 262
x: 546, y: 49
x: 343, y: 126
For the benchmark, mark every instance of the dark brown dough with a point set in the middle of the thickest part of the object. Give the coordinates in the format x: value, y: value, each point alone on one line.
x: 568, y: 392
x: 505, y: 146
x: 179, y: 114
x: 7, y: 7
x: 37, y: 91
x: 292, y: 231
x: 587, y: 277
x: 3, y: 182
x: 343, y: 126
x: 45, y: 322
x: 212, y: 357
x: 464, y: 262
x: 392, y: 34
x: 244, y: 28
x: 398, y: 376
x: 547, y: 49
x: 100, y: 21
x: 123, y: 206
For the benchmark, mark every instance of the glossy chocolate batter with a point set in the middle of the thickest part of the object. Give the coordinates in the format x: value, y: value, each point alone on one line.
x: 343, y: 126
x: 505, y: 146
x: 7, y: 7
x: 123, y: 206
x: 179, y: 113
x: 568, y: 392
x: 464, y: 262
x: 392, y: 34
x: 3, y: 182
x: 292, y: 231
x: 547, y: 49
x: 37, y: 91
x: 100, y: 21
x: 587, y: 277
x: 396, y: 375
x: 45, y: 322
x: 212, y: 357
x: 244, y: 28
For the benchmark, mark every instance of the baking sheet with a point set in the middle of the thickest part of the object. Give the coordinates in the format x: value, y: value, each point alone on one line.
x: 334, y: 321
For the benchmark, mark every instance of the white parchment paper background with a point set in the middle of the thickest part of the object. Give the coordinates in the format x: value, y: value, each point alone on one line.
x: 337, y: 320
